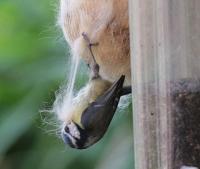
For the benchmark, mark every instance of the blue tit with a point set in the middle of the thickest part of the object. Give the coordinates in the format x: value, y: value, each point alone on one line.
x: 88, y: 125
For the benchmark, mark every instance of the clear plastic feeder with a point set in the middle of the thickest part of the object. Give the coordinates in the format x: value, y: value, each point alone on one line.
x: 165, y: 48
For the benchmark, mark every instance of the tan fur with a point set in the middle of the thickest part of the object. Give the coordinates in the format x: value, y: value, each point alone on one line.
x: 105, y: 22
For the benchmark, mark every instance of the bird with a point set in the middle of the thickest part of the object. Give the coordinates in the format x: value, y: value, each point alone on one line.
x: 88, y: 115
x: 89, y: 120
x: 105, y: 22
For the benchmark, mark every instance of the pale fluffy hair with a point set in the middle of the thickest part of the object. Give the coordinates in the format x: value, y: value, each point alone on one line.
x: 105, y: 22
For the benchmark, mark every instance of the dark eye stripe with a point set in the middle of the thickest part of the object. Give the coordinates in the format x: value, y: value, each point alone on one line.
x: 67, y: 140
x: 66, y: 129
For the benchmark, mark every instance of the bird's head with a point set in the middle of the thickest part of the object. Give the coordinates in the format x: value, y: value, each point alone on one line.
x: 74, y: 136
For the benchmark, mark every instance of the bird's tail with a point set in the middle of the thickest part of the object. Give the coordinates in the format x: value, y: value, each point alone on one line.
x: 126, y: 90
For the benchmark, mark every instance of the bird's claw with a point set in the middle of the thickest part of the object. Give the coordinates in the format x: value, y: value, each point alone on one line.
x: 95, y: 71
x: 94, y: 66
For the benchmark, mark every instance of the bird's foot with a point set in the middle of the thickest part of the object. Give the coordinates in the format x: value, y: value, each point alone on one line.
x: 95, y: 71
x: 94, y: 66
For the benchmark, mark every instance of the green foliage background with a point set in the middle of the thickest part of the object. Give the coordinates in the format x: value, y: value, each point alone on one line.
x: 33, y: 64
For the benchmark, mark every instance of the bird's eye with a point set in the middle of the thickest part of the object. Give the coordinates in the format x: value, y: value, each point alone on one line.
x: 66, y: 129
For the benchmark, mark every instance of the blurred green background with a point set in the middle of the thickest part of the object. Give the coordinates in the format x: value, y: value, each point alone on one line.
x: 33, y: 64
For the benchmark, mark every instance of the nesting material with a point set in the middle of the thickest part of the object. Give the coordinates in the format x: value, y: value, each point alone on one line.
x: 105, y: 22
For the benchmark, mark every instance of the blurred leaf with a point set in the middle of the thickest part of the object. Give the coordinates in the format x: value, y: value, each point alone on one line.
x: 19, y: 119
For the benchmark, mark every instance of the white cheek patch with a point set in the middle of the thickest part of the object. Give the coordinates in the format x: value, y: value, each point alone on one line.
x: 74, y: 131
x: 72, y: 140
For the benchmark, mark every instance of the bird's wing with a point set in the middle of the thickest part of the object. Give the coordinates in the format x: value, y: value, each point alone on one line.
x: 113, y: 92
x: 100, y: 112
